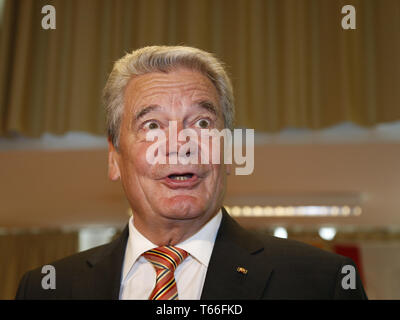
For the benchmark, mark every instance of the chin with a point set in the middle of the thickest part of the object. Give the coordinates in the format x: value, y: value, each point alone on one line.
x: 183, y: 207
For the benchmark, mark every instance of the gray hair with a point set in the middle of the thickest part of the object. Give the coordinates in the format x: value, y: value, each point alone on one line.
x: 163, y: 59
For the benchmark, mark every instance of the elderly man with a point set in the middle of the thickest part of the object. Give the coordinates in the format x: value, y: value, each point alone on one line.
x: 180, y: 243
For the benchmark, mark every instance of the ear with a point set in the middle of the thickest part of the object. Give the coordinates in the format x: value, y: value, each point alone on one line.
x: 114, y: 172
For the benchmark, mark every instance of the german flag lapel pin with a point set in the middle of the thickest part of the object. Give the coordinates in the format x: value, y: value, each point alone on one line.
x: 241, y: 270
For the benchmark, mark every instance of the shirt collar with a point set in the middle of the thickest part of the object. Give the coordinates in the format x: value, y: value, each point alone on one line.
x: 199, y: 245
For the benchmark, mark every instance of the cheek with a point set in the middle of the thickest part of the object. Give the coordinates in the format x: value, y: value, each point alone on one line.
x: 217, y: 179
x: 134, y: 160
x: 213, y: 149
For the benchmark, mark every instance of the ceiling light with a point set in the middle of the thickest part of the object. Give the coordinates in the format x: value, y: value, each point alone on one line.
x: 294, y: 211
x: 280, y: 232
x: 327, y: 233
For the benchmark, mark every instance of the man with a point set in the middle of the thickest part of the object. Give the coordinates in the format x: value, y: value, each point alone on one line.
x: 180, y: 242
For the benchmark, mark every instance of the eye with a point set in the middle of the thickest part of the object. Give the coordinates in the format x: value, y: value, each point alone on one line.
x: 203, y: 123
x: 151, y: 125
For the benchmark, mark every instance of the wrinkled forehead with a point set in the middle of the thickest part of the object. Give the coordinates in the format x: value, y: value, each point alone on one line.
x: 170, y: 89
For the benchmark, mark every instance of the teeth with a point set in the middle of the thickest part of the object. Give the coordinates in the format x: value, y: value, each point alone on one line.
x: 180, y: 178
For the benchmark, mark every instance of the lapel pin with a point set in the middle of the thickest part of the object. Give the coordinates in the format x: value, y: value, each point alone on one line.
x: 241, y: 270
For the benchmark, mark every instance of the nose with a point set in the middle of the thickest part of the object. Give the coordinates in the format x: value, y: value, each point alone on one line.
x: 181, y: 142
x: 172, y: 143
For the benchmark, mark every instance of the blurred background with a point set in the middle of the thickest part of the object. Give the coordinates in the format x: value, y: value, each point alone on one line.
x: 324, y: 102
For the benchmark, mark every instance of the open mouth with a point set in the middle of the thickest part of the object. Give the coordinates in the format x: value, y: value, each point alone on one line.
x: 181, y: 177
x: 182, y: 180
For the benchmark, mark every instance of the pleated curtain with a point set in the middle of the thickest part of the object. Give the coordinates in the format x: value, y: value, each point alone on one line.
x: 292, y: 63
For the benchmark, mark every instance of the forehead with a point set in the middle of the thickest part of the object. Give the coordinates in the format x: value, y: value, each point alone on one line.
x: 176, y: 86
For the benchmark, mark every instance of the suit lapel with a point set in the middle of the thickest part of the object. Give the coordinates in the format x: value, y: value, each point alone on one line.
x: 236, y: 248
x: 102, y: 278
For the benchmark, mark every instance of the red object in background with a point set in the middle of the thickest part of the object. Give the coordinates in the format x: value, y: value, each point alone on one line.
x: 352, y: 252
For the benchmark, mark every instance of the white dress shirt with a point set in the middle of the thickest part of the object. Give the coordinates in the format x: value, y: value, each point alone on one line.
x: 139, y: 276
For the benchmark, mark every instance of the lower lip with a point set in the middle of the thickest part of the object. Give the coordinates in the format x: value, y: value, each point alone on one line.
x: 176, y: 184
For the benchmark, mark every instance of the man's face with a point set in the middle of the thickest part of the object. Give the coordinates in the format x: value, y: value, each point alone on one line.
x: 168, y: 192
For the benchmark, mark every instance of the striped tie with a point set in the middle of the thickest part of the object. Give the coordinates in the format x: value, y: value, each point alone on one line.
x: 165, y: 260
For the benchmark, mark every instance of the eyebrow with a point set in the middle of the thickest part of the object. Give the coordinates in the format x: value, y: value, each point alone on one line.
x: 207, y: 105
x: 146, y: 110
x: 204, y: 104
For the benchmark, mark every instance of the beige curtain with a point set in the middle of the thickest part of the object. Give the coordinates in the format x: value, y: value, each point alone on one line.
x: 291, y: 62
x: 22, y: 252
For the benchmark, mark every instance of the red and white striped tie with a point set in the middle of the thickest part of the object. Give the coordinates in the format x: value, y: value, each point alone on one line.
x: 165, y: 260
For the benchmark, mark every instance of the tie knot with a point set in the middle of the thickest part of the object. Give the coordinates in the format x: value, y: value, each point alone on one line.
x: 166, y: 257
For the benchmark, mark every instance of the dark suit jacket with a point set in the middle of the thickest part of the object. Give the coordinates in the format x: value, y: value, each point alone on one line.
x: 276, y: 269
